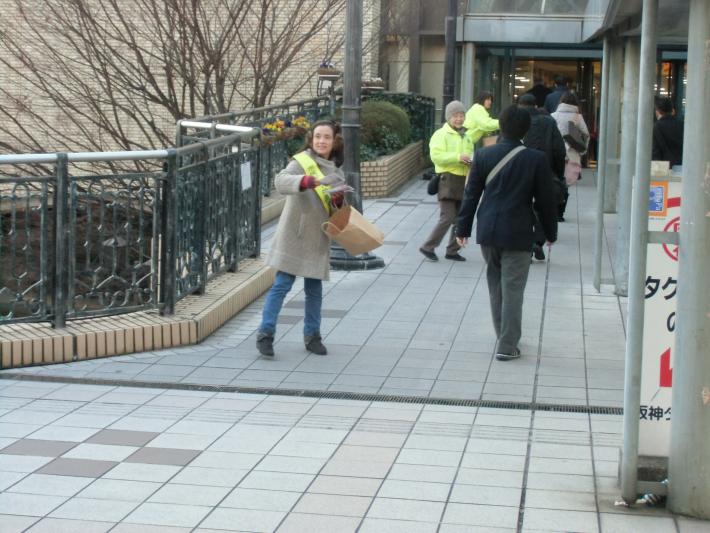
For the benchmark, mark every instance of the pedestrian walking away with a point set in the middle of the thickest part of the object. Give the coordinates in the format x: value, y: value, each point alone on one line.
x: 552, y: 100
x: 569, y: 120
x: 451, y: 149
x: 513, y: 177
x: 667, y: 134
x: 543, y: 135
x: 539, y: 92
x: 300, y: 248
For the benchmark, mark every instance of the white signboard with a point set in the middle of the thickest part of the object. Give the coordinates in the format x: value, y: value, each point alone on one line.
x: 246, y: 175
x: 659, y: 322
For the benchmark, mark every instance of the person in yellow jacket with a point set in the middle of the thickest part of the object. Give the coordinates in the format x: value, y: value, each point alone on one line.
x: 451, y: 150
x: 478, y: 120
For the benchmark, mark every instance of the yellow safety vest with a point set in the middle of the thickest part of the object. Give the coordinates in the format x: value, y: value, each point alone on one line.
x: 311, y: 168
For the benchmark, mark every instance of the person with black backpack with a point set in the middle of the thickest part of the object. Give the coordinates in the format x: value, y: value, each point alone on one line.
x: 544, y: 135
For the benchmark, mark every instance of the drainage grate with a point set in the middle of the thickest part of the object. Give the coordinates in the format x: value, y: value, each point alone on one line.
x: 332, y: 395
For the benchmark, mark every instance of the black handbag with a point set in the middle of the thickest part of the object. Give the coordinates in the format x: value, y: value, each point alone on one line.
x: 433, y: 186
x: 575, y: 138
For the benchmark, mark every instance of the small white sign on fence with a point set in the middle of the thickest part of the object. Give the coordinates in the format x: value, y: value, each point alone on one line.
x: 245, y: 171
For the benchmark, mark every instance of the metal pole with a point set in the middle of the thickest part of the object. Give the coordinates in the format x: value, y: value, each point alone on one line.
x: 616, y: 57
x: 450, y: 58
x: 61, y: 238
x: 626, y: 173
x: 601, y: 167
x: 168, y: 232
x: 467, y: 89
x: 414, y: 45
x: 639, y: 243
x: 352, y: 82
x: 689, y: 461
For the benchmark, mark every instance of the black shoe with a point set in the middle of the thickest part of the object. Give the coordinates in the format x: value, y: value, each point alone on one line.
x: 455, y: 257
x: 560, y: 218
x: 431, y: 256
x: 265, y: 344
x: 538, y: 252
x: 315, y: 345
x: 508, y: 356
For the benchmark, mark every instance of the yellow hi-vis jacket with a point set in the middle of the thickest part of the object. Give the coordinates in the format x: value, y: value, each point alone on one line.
x: 478, y: 122
x: 310, y: 167
x: 445, y: 147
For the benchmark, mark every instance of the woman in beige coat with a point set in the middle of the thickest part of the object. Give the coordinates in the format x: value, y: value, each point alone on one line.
x: 300, y: 248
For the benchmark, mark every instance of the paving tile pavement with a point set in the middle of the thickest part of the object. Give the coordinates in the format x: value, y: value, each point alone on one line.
x: 177, y: 458
x: 331, y: 465
x: 414, y: 328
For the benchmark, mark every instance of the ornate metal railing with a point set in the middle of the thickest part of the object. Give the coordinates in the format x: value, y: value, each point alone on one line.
x: 76, y: 245
x: 273, y: 153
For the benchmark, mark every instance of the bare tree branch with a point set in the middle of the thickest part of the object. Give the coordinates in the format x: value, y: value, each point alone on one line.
x: 96, y: 75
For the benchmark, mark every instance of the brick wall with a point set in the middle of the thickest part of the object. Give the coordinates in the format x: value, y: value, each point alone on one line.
x: 385, y: 175
x: 298, y: 82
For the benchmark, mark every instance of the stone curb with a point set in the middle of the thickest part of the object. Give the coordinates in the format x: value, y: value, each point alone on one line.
x: 195, y: 318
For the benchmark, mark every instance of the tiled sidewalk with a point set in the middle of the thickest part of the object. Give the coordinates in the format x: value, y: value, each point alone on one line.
x: 81, y: 458
x: 95, y: 458
x: 418, y: 328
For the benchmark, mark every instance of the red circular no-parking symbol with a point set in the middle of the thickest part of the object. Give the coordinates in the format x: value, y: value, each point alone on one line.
x: 672, y: 249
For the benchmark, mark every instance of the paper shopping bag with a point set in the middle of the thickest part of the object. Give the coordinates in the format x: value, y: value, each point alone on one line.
x: 352, y: 231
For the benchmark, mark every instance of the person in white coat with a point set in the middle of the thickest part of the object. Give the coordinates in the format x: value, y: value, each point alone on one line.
x: 568, y: 113
x: 300, y: 248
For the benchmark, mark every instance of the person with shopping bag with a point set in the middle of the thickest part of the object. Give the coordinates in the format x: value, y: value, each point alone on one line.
x: 450, y: 149
x: 300, y: 248
x: 576, y: 136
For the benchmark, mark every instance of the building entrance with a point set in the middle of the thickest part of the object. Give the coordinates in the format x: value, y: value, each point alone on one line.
x: 509, y: 73
x: 583, y: 78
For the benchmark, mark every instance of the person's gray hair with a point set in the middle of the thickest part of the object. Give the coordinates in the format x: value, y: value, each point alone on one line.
x: 452, y: 108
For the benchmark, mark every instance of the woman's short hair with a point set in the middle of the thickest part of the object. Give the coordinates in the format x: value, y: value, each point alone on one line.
x: 664, y: 105
x: 337, y: 153
x: 560, y: 80
x: 527, y: 100
x: 483, y: 96
x: 569, y: 98
x: 514, y: 122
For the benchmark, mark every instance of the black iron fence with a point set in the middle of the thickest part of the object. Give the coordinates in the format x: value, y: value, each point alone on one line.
x: 80, y: 245
x: 275, y: 150
x: 75, y: 245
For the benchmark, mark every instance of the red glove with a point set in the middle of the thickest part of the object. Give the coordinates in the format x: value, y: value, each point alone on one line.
x: 309, y: 182
x: 337, y: 199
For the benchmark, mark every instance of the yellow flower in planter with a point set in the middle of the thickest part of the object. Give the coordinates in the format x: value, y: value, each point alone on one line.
x: 301, y: 122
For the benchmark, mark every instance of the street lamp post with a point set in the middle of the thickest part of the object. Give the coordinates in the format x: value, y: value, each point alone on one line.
x: 352, y: 82
x: 450, y: 60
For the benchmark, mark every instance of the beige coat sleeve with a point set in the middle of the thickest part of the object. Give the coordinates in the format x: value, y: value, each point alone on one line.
x: 288, y: 181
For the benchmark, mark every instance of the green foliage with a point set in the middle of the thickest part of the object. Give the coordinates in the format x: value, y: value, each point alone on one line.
x: 385, y: 129
x: 420, y: 110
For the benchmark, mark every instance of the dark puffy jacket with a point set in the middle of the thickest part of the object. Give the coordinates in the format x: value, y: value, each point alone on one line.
x: 505, y: 216
x: 543, y: 135
x: 668, y: 140
x: 552, y: 100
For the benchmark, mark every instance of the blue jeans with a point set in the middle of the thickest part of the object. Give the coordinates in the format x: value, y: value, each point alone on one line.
x: 275, y: 299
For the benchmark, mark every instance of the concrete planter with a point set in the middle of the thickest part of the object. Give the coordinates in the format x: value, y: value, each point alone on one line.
x: 386, y: 174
